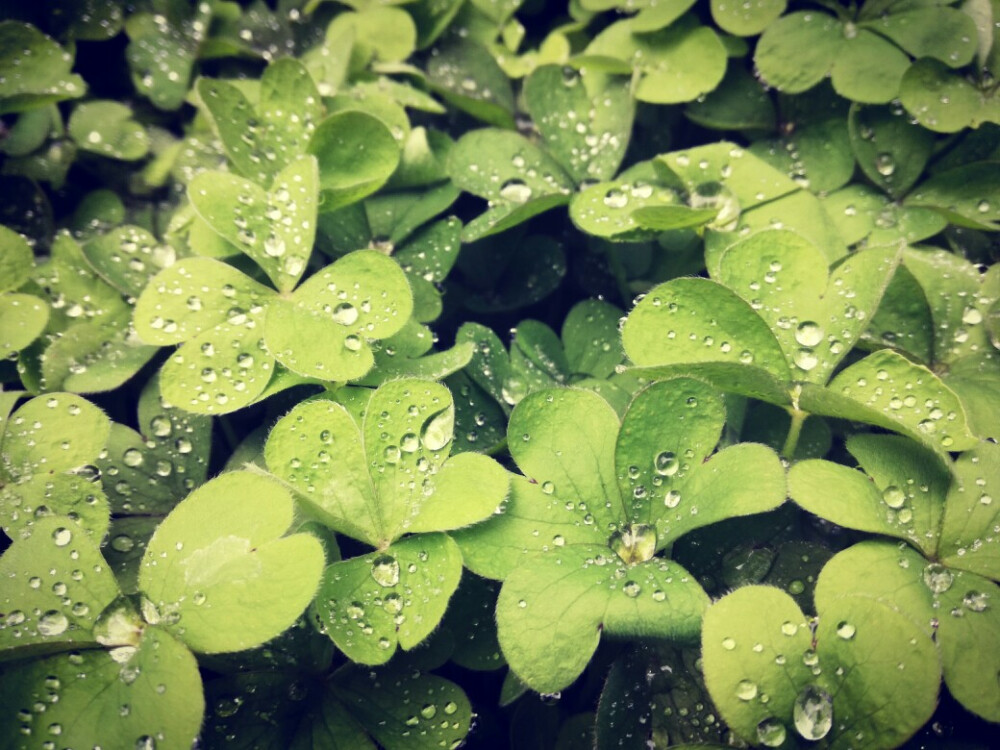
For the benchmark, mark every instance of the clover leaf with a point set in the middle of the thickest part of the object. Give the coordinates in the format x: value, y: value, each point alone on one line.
x: 779, y: 679
x: 377, y: 478
x: 351, y: 708
x: 234, y: 328
x: 780, y: 343
x: 48, y: 450
x: 465, y: 74
x: 37, y: 69
x: 22, y: 316
x: 107, y: 128
x: 600, y: 485
x: 230, y: 586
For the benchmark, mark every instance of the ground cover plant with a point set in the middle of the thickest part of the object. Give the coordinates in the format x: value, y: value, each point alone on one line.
x: 499, y: 373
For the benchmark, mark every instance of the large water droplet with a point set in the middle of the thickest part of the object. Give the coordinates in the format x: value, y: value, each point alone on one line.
x: 813, y: 713
x: 52, y: 623
x: 515, y: 191
x: 771, y: 732
x: 385, y: 570
x: 938, y: 578
x: 666, y: 464
x: 808, y: 333
x: 345, y: 313
x: 746, y: 690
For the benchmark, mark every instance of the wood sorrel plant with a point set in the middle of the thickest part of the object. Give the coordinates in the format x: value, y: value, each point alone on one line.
x: 587, y: 374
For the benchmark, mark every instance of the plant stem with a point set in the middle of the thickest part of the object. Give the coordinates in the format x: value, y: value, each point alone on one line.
x: 794, y: 430
x: 618, y: 271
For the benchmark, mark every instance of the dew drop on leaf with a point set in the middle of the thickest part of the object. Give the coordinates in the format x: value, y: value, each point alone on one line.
x: 515, y: 191
x: 666, y: 464
x: 938, y: 578
x: 808, y: 333
x: 746, y: 690
x: 52, y: 623
x: 813, y: 713
x: 846, y: 630
x: 894, y: 497
x: 771, y: 732
x: 385, y: 570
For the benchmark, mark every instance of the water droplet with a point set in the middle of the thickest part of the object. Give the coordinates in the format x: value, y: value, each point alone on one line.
x: 385, y: 570
x: 631, y: 589
x: 813, y: 713
x: 345, y: 314
x: 789, y: 628
x: 728, y: 643
x: 846, y: 630
x: 805, y: 359
x: 808, y: 333
x: 884, y: 164
x: 429, y: 711
x: 409, y: 442
x: 132, y: 457
x: 771, y: 732
x: 666, y: 464
x: 615, y: 198
x: 52, y: 623
x: 975, y: 601
x: 746, y: 690
x: 893, y: 497
x: 938, y: 578
x: 515, y: 191
x: 62, y: 536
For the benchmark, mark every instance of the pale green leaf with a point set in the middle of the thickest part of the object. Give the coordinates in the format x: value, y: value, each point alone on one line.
x: 193, y: 296
x: 395, y: 595
x: 127, y: 257
x: 817, y: 155
x: 39, y: 69
x: 275, y: 227
x: 629, y: 211
x: 677, y: 64
x: 585, y: 118
x: 566, y: 438
x: 16, y: 259
x: 162, y: 50
x: 22, y: 320
x: 968, y: 540
x: 798, y: 50
x: 106, y: 128
x: 868, y: 69
x: 551, y: 611
x: 45, y: 607
x: 157, y: 680
x: 591, y: 339
x: 344, y: 176
x: 945, y: 34
x: 843, y: 680
x: 467, y: 489
x: 747, y: 19
x: 220, y: 573
x: 938, y: 99
x: 968, y: 196
x: 93, y: 357
x: 891, y: 151
x: 74, y: 495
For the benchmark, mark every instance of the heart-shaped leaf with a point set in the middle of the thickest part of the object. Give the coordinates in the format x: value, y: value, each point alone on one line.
x: 466, y: 75
x: 776, y: 681
x: 22, y: 320
x: 394, y: 595
x: 553, y: 608
x: 967, y: 537
x: 676, y: 64
x: 230, y: 586
x: 585, y: 117
x: 162, y: 50
x: 275, y: 227
x: 390, y: 468
x: 361, y: 297
x: 55, y: 586
x: 157, y: 680
x: 127, y: 257
x: 891, y: 151
x: 953, y: 604
x: 107, y: 128
x: 42, y: 69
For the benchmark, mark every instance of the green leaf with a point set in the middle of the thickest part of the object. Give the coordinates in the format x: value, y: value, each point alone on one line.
x: 976, y: 382
x: 344, y: 178
x: 127, y: 257
x: 902, y: 496
x: 629, y: 211
x: 385, y: 34
x: 566, y: 438
x: 162, y: 50
x: 551, y: 610
x: 54, y: 433
x: 899, y: 395
x: 16, y: 259
x: 38, y: 69
x: 470, y: 617
x: 234, y: 581
x: 591, y: 339
x: 868, y: 68
x: 467, y: 489
x: 192, y: 297
x: 409, y: 711
x: 939, y: 100
x: 157, y: 679
x: 466, y: 75
x: 942, y: 33
x: 147, y: 472
x: 534, y: 519
x: 747, y: 19
x: 816, y: 319
x: 798, y: 50
x: 276, y: 228
x: 968, y: 196
x: 505, y: 167
x: 395, y: 595
x: 738, y: 103
x: 22, y: 320
x: 677, y: 64
x: 362, y: 297
x: 951, y: 604
x: 585, y: 118
x: 55, y: 585
x: 689, y: 322
x: 107, y: 128
x: 756, y: 642
x: 968, y: 541
x: 890, y: 150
